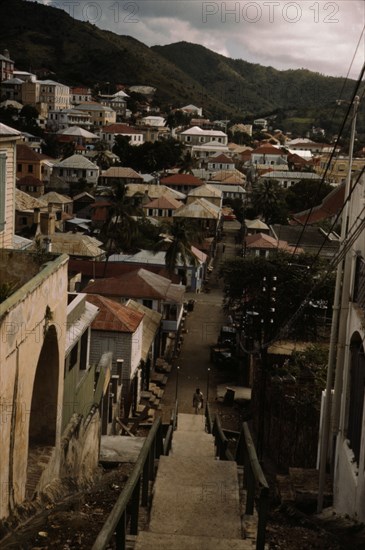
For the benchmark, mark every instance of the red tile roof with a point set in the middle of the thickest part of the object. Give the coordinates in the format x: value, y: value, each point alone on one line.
x: 222, y: 158
x: 23, y: 152
x: 113, y: 316
x: 267, y: 150
x: 120, y: 129
x: 181, y: 179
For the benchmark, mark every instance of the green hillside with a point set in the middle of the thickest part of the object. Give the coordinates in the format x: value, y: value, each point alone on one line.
x: 39, y: 36
x: 79, y: 53
x: 250, y: 87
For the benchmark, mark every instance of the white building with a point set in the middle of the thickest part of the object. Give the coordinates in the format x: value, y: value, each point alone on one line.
x: 348, y: 407
x: 198, y: 136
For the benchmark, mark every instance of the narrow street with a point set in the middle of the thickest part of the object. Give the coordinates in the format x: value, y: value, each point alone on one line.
x: 201, y: 331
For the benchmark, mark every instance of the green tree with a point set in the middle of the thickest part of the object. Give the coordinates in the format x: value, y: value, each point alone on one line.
x: 248, y: 281
x: 305, y: 194
x: 176, y: 240
x: 268, y: 201
x: 120, y: 229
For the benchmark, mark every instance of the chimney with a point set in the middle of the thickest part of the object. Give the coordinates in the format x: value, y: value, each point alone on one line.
x: 37, y: 216
x: 51, y: 220
x: 6, y: 53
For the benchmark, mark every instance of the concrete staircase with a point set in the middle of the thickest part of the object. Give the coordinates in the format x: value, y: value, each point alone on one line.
x: 196, y: 503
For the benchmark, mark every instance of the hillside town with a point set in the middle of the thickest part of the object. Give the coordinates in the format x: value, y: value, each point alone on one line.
x: 124, y: 228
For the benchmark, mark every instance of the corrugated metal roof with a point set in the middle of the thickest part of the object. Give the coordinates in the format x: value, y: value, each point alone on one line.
x: 138, y: 284
x: 113, y: 316
x: 199, y: 209
x: 77, y: 161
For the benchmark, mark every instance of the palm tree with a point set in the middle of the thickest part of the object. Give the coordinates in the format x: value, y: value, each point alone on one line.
x: 187, y: 163
x: 265, y: 198
x: 177, y: 243
x: 121, y: 228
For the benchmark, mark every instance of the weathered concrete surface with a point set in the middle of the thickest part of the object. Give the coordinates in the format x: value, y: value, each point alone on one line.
x: 116, y: 448
x: 196, y: 497
x: 157, y: 541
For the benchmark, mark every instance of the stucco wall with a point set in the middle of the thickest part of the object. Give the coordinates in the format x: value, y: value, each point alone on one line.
x: 6, y: 236
x: 26, y: 317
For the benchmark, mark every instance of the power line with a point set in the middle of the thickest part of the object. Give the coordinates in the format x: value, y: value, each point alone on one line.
x: 355, y: 92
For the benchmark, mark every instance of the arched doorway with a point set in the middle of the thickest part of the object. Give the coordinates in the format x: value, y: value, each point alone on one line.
x: 43, y: 411
x: 357, y: 387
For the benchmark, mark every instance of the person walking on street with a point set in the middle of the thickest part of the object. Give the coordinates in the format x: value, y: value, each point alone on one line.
x: 198, y: 400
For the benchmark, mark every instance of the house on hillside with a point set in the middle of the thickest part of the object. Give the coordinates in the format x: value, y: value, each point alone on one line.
x: 162, y: 208
x: 31, y: 185
x: 268, y: 155
x: 287, y: 178
x: 204, y: 213
x: 183, y: 183
x: 260, y: 244
x: 191, y: 274
x: 31, y: 163
x: 198, y: 136
x: 100, y: 115
x: 118, y: 330
x: 209, y: 192
x: 152, y: 291
x: 75, y: 168
x: 110, y: 132
x: 119, y: 174
x: 6, y: 66
x: 220, y: 162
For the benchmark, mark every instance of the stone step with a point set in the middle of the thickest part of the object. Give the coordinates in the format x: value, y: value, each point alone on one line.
x: 159, y: 541
x: 192, y: 444
x: 191, y: 422
x: 196, y: 496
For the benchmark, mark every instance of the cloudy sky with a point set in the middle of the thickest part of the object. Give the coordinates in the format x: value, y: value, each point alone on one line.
x: 319, y: 35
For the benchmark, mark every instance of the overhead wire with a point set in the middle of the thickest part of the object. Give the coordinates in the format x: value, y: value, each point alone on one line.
x: 355, y: 92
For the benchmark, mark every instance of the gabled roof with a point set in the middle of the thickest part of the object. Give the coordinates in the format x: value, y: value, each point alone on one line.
x: 113, y: 316
x: 196, y: 130
x: 76, y: 244
x: 221, y: 158
x: 153, y: 191
x: 199, y: 209
x: 85, y: 195
x: 256, y: 224
x: 54, y: 197
x: 205, y: 190
x: 77, y: 131
x: 121, y: 172
x: 77, y: 161
x: 138, y: 284
x: 24, y: 202
x: 164, y: 202
x: 263, y: 241
x: 228, y: 176
x: 26, y: 153
x: 181, y: 179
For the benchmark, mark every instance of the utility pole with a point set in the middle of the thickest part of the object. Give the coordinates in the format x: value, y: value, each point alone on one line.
x: 269, y: 288
x: 338, y: 331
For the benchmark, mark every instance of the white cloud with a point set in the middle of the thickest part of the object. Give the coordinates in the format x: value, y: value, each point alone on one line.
x: 319, y: 35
